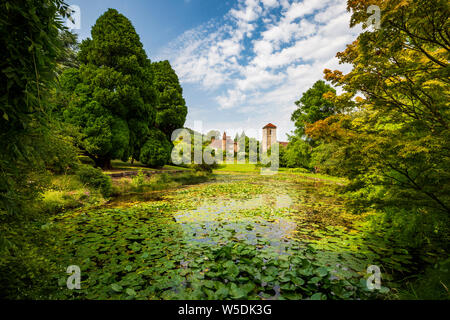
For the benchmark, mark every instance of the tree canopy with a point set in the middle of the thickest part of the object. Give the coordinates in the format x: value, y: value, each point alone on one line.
x: 30, y: 46
x: 394, y: 145
x: 171, y: 111
x: 312, y: 106
x: 113, y: 97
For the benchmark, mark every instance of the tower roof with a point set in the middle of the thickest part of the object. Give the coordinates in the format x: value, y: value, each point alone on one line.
x: 269, y: 125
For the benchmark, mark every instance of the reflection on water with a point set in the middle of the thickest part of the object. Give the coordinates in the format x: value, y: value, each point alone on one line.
x: 209, y: 219
x: 286, y: 211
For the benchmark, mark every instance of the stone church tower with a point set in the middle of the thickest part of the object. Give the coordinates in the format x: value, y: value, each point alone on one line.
x: 224, y: 141
x: 269, y: 137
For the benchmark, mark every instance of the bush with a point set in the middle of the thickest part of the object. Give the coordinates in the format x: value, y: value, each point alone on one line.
x: 61, y: 153
x: 95, y: 178
x: 138, y: 181
x: 156, y: 151
x: 431, y: 285
x: 297, y: 154
x: 62, y: 156
x: 54, y: 201
x: 86, y: 160
x: 416, y: 228
x: 203, y: 167
x: 26, y: 265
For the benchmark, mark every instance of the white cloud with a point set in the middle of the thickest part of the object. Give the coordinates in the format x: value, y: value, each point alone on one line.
x: 300, y: 9
x: 257, y: 78
x: 263, y: 55
x: 232, y: 98
x: 248, y: 11
x: 270, y: 3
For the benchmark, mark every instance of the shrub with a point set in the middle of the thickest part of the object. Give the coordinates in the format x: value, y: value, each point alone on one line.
x: 156, y: 151
x: 203, y: 167
x: 86, y: 160
x: 413, y: 227
x: 431, y: 285
x: 296, y: 154
x: 95, y: 178
x: 138, y: 181
x: 60, y: 150
x: 26, y: 263
x: 58, y: 201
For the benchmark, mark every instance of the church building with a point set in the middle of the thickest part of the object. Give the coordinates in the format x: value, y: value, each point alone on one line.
x: 269, y: 137
x: 225, y: 143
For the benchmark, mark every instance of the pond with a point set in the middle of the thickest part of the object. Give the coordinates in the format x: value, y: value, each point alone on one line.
x: 240, y: 237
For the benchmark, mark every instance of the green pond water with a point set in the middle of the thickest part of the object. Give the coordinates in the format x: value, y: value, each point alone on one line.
x: 239, y: 237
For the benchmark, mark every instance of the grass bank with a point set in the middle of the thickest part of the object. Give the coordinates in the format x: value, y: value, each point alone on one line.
x: 253, y: 168
x: 68, y: 192
x: 161, y: 181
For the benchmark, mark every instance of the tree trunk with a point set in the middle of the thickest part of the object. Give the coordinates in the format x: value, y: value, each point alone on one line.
x: 103, y: 163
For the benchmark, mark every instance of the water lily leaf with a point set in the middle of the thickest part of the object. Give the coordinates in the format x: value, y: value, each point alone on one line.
x: 322, y: 272
x: 314, y: 280
x: 318, y: 296
x: 130, y: 292
x: 116, y: 287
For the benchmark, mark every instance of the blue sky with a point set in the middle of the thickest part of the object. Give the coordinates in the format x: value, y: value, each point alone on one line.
x: 241, y: 63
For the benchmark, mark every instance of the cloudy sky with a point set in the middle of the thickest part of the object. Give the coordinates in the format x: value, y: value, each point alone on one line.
x: 241, y: 63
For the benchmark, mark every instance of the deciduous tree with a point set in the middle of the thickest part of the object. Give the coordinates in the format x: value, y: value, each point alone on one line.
x: 394, y: 145
x: 312, y: 106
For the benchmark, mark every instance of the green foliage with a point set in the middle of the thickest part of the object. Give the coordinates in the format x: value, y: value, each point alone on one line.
x: 325, y: 157
x: 67, y: 57
x: 299, y: 170
x: 209, y: 258
x: 55, y: 201
x: 249, y: 140
x: 297, y: 154
x: 141, y: 183
x: 26, y: 250
x: 417, y: 227
x: 431, y: 285
x: 171, y: 111
x: 111, y: 96
x: 205, y: 167
x: 61, y: 154
x: 393, y: 145
x: 138, y: 181
x: 27, y: 245
x: 29, y: 40
x: 312, y: 106
x: 94, y: 177
x: 157, y: 149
